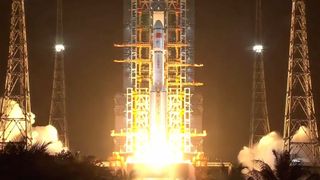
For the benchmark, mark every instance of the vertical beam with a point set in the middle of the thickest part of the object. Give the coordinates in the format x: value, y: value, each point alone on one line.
x: 183, y: 40
x: 129, y: 118
x: 137, y: 107
x: 133, y: 40
x: 184, y: 57
x: 187, y: 120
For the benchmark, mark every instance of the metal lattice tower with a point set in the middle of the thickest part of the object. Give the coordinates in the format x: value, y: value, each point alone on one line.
x: 14, y: 128
x: 299, y: 110
x: 57, y: 116
x: 259, y: 125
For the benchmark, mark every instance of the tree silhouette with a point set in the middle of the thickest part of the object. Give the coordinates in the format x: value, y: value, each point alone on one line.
x: 285, y: 169
x: 17, y: 162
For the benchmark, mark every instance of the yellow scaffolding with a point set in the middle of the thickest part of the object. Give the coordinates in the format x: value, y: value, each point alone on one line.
x: 178, y: 85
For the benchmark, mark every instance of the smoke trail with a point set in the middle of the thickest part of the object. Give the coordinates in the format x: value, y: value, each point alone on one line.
x: 40, y: 134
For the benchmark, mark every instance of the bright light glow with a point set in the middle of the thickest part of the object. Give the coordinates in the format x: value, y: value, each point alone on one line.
x: 302, y: 135
x: 157, y: 155
x: 59, y: 47
x: 258, y: 48
x: 158, y: 152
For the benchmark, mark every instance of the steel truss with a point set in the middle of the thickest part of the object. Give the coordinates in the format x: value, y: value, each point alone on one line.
x: 299, y: 111
x: 17, y: 129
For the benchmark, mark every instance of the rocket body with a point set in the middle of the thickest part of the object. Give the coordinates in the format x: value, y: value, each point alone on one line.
x: 158, y: 58
x: 158, y: 96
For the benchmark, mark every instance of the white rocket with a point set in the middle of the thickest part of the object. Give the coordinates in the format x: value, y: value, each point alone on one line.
x: 158, y: 57
x: 158, y: 95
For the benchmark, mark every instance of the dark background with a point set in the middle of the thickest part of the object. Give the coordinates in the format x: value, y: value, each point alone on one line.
x: 224, y: 37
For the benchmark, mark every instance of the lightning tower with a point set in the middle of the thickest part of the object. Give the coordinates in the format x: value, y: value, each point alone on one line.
x: 57, y: 116
x: 299, y: 111
x: 259, y: 125
x: 17, y: 128
x: 159, y: 83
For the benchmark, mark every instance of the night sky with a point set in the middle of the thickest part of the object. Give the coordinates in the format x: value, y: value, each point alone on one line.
x: 224, y: 36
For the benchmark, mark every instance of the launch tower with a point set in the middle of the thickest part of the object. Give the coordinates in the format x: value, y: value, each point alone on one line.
x: 15, y: 125
x: 57, y: 116
x: 158, y: 70
x: 259, y: 125
x: 300, y: 112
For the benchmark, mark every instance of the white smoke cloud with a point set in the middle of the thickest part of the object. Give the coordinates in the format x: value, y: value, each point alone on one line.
x: 13, y: 110
x: 261, y: 151
x: 40, y: 134
x: 46, y: 134
x: 273, y: 141
x: 303, y: 134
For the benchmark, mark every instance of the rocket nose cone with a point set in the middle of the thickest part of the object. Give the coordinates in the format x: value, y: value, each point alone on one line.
x: 158, y: 25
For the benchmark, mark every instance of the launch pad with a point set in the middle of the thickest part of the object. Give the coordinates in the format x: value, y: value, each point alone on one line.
x: 177, y: 170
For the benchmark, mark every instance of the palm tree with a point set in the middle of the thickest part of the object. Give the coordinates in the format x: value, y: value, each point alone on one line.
x: 17, y: 162
x: 285, y: 169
